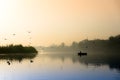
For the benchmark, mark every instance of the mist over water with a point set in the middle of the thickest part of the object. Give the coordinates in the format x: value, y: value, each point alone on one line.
x: 66, y: 65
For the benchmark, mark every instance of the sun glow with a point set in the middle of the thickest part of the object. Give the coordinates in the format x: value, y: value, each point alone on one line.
x: 56, y: 21
x: 7, y: 10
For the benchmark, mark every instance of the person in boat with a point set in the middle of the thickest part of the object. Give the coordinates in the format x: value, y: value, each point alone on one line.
x: 79, y: 53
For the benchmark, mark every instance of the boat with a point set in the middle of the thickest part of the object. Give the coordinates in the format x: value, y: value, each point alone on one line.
x: 81, y: 54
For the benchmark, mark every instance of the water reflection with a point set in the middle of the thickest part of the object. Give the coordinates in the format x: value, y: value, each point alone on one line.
x: 17, y: 57
x: 96, y: 58
x: 57, y: 66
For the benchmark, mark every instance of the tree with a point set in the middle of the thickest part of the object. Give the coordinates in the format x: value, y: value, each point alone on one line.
x: 74, y: 44
x: 62, y: 44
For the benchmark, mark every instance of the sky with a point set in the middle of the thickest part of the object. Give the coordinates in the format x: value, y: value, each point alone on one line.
x: 56, y: 21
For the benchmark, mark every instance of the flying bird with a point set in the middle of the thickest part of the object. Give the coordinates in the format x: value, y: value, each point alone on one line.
x: 5, y: 39
x: 14, y: 34
x: 29, y: 32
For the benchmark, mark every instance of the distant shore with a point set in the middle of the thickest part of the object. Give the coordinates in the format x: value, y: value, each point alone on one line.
x: 110, y: 44
x: 17, y: 49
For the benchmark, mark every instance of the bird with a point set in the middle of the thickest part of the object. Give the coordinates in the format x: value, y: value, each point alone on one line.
x: 31, y: 61
x: 5, y: 39
x: 29, y: 32
x: 14, y: 34
x: 8, y: 62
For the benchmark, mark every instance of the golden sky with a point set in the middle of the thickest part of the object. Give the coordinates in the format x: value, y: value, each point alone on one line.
x: 56, y: 21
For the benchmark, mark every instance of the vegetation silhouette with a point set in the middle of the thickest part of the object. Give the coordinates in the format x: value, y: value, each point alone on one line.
x: 112, y: 43
x: 17, y: 49
x: 17, y: 53
x: 100, y: 52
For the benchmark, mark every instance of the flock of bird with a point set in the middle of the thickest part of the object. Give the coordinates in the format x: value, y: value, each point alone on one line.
x: 29, y: 32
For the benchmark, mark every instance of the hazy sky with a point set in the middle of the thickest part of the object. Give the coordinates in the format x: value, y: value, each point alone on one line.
x: 56, y: 21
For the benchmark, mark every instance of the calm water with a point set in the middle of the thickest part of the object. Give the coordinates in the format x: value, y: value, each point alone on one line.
x: 57, y: 66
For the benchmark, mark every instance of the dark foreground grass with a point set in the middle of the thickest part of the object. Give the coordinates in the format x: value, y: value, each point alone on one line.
x: 17, y: 49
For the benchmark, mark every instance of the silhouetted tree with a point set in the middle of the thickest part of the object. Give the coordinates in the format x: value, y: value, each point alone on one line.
x: 62, y: 44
